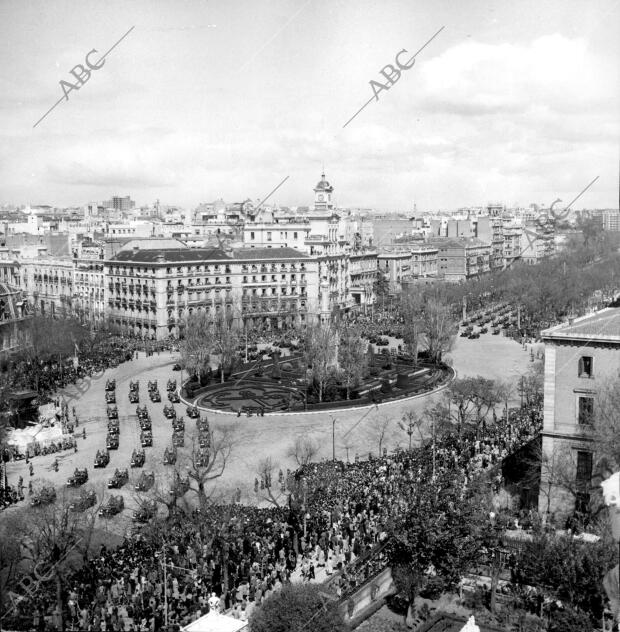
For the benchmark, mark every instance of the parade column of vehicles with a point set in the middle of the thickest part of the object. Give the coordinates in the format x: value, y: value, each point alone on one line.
x: 115, y: 504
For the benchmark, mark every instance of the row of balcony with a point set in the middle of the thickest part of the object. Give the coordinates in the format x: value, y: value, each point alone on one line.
x: 45, y: 278
x: 272, y: 268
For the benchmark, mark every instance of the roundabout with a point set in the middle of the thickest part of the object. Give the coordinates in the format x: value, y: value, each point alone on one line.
x: 250, y: 394
x: 282, y: 387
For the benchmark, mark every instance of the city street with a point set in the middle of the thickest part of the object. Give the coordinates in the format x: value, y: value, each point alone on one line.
x: 255, y: 437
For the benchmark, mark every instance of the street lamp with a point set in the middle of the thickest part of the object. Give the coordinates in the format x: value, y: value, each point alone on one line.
x: 333, y: 437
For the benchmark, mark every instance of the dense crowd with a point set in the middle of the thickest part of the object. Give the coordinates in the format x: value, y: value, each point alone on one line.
x: 233, y: 557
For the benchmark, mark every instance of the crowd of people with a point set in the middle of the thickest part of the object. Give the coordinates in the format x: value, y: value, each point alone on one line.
x: 232, y: 557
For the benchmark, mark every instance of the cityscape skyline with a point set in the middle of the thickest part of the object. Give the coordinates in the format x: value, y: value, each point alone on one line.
x: 203, y: 101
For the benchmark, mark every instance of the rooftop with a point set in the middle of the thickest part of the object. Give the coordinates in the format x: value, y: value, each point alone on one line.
x: 603, y: 326
x: 268, y: 253
x: 180, y: 255
x: 456, y: 242
x: 171, y: 255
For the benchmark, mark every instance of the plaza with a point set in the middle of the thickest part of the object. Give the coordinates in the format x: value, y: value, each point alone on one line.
x: 255, y: 438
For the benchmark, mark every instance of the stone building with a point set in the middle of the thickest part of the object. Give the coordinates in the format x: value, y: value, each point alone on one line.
x: 581, y: 358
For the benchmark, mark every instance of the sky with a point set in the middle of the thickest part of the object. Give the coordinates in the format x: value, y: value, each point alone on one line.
x: 513, y: 102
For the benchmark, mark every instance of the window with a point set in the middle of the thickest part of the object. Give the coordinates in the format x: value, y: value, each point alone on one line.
x: 294, y: 235
x: 585, y: 366
x: 586, y: 410
x: 252, y: 235
x: 268, y: 235
x: 584, y: 467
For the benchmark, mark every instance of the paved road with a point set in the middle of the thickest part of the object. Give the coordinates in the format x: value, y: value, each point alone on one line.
x: 256, y: 437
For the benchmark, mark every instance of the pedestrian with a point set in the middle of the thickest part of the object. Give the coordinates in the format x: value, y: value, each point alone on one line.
x: 83, y: 433
x: 31, y: 470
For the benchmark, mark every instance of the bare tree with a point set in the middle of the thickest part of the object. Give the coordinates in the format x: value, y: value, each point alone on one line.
x: 197, y: 345
x: 411, y: 423
x: 207, y: 464
x: 557, y: 474
x: 55, y: 535
x: 530, y: 385
x: 383, y: 424
x: 410, y: 309
x: 605, y: 429
x: 11, y: 527
x: 351, y: 357
x: 225, y: 342
x: 438, y: 324
x: 320, y: 345
x: 271, y: 488
x: 303, y: 450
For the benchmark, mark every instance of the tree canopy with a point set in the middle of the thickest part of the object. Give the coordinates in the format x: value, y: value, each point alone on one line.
x: 295, y: 608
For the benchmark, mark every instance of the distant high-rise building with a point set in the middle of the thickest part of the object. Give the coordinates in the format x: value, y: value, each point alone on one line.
x: 120, y: 203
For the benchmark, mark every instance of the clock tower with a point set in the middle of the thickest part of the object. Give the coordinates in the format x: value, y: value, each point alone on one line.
x: 323, y: 195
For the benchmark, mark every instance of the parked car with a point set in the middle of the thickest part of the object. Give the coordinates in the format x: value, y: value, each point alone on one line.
x: 134, y: 397
x: 173, y: 397
x: 146, y: 439
x: 112, y: 412
x: 178, y: 424
x: 155, y: 396
x: 152, y: 385
x: 134, y: 385
x: 110, y: 385
x: 171, y: 385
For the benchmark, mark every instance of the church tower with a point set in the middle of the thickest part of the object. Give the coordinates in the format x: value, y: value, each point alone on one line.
x: 323, y: 195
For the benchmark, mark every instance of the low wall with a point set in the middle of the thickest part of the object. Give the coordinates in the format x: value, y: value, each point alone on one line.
x: 368, y: 598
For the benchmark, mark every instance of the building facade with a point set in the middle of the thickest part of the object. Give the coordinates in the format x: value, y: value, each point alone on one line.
x: 48, y: 283
x: 152, y: 292
x: 581, y: 358
x: 14, y: 313
x: 363, y: 273
x: 461, y: 259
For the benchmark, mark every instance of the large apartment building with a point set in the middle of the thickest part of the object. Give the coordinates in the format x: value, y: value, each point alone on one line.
x: 582, y: 358
x: 13, y: 314
x: 151, y: 292
x: 461, y: 259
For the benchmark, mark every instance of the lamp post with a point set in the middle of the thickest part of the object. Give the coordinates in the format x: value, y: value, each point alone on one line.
x: 333, y: 437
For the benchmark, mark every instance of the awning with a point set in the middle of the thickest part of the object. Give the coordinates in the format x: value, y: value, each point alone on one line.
x: 215, y: 622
